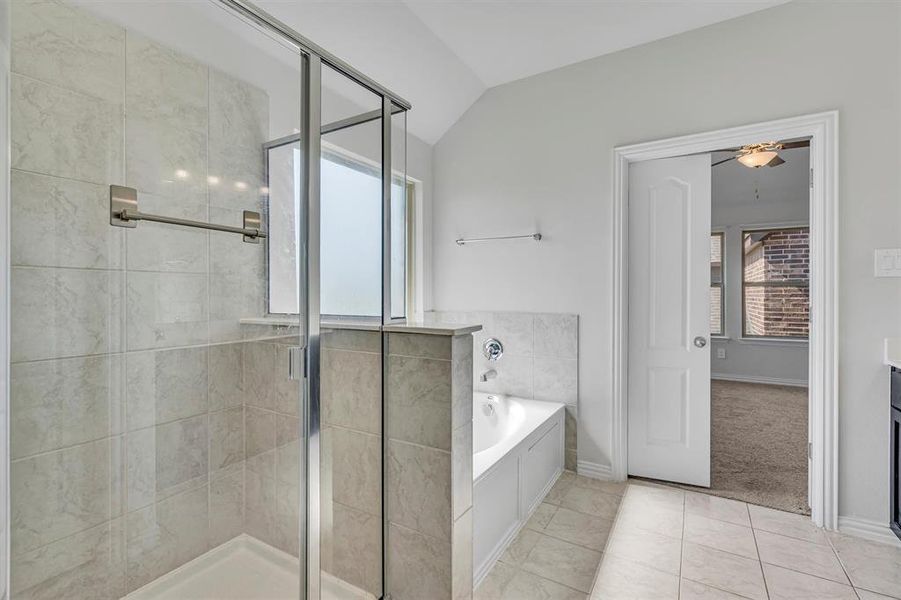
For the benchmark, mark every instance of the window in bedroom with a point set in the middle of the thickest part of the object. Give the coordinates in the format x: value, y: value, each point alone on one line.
x: 775, y: 282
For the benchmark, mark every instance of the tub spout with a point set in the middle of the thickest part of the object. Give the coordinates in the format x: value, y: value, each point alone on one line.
x: 489, y: 374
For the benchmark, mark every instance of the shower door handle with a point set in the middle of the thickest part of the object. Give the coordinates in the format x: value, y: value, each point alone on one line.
x: 296, y: 363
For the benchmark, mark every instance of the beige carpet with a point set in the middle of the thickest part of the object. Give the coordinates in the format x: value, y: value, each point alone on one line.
x: 759, y: 445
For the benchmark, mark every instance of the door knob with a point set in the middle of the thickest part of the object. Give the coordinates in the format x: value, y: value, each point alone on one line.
x: 700, y: 341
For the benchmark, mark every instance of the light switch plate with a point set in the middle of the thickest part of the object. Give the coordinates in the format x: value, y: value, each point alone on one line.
x: 721, y: 353
x: 887, y: 262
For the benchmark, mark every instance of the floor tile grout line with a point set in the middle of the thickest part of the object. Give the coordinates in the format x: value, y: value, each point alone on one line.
x: 841, y: 564
x: 806, y: 573
x: 716, y: 588
x: 766, y: 587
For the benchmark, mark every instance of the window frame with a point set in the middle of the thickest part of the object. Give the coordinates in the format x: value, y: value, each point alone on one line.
x: 330, y: 151
x: 794, y: 283
x: 721, y: 233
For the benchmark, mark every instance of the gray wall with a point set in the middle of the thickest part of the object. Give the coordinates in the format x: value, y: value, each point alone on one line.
x: 538, y: 153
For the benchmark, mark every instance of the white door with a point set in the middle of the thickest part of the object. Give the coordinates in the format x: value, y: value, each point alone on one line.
x: 669, y: 319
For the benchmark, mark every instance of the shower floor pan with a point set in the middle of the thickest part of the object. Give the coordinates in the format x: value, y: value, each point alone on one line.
x: 243, y: 568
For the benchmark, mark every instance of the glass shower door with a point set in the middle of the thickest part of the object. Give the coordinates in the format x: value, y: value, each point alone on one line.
x: 156, y: 447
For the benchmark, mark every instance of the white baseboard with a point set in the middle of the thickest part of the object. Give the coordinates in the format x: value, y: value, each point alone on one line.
x: 594, y: 470
x: 869, y: 530
x: 756, y: 379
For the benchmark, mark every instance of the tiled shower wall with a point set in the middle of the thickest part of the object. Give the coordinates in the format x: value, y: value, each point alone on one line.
x: 135, y: 400
x: 540, y: 361
x: 351, y: 464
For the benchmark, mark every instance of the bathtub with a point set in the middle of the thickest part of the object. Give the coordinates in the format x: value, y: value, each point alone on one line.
x: 517, y: 457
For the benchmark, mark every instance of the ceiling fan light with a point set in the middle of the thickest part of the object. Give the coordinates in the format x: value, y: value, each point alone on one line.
x: 755, y: 160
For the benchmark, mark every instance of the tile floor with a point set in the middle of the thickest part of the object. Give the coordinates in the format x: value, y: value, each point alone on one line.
x: 609, y: 541
x: 558, y: 552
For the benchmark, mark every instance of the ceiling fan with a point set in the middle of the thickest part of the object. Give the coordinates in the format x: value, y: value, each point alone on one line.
x: 765, y: 154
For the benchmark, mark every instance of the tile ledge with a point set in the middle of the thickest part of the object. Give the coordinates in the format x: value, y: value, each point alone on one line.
x: 432, y: 328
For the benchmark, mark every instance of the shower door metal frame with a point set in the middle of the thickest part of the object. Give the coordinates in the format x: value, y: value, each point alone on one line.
x: 313, y: 58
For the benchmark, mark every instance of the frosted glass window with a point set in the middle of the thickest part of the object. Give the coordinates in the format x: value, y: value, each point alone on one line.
x: 350, y: 233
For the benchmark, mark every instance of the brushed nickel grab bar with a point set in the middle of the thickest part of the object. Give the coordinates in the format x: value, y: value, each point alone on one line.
x: 534, y: 236
x: 124, y: 213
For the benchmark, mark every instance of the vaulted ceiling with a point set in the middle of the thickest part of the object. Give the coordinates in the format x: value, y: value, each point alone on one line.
x: 441, y: 55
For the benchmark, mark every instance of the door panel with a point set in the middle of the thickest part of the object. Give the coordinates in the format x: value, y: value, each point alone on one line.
x: 669, y: 375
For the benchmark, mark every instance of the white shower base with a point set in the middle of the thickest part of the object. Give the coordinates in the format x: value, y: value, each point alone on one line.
x: 243, y: 568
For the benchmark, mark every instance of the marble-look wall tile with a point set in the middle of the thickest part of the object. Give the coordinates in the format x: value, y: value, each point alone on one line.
x: 545, y: 367
x: 259, y: 374
x: 287, y: 497
x: 118, y: 476
x: 419, y: 566
x: 556, y: 380
x: 165, y: 385
x: 226, y: 376
x: 239, y: 125
x: 351, y: 389
x: 166, y: 309
x: 515, y: 330
x: 261, y: 431
x: 461, y: 577
x: 570, y: 459
x: 233, y: 296
x: 358, y: 549
x: 260, y: 493
x: 226, y: 438
x: 63, y: 402
x: 570, y: 427
x: 287, y: 429
x: 349, y: 339
x: 557, y: 335
x: 65, y: 134
x: 165, y: 160
x: 67, y: 46
x: 70, y: 218
x: 64, y: 312
x: 461, y: 381
x: 419, y: 400
x: 229, y: 254
x: 413, y: 344
x: 356, y: 469
x: 514, y: 376
x: 172, y: 248
x: 140, y: 468
x: 165, y: 85
x: 226, y: 508
x: 166, y: 535
x: 461, y: 458
x: 419, y: 488
x: 182, y: 454
x: 59, y: 494
x: 89, y: 564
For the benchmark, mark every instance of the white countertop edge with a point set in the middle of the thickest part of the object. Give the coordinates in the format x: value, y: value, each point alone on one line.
x: 437, y: 328
x: 450, y: 329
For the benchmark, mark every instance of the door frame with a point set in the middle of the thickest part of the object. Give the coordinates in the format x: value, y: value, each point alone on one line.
x: 822, y: 128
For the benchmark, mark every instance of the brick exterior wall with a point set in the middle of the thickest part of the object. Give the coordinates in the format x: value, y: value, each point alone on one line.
x: 778, y: 256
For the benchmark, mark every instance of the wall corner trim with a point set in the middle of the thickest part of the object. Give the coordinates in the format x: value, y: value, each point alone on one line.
x: 594, y: 470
